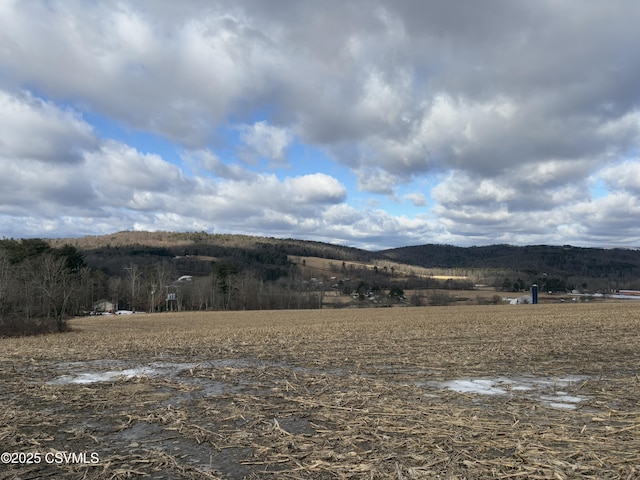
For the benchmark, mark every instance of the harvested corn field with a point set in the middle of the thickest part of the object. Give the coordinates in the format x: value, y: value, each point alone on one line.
x: 533, y: 391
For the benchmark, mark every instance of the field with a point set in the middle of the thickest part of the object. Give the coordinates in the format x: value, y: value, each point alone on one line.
x: 530, y: 391
x: 330, y: 267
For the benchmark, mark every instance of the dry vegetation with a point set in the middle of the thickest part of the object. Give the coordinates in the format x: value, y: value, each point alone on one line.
x: 328, y: 266
x: 330, y: 394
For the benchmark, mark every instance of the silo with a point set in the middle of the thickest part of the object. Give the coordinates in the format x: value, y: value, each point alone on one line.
x: 534, y: 293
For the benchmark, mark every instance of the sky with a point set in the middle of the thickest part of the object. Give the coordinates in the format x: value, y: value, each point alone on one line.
x: 369, y: 123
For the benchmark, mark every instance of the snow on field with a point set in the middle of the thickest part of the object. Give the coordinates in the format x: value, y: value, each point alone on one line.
x: 550, y: 391
x: 151, y: 370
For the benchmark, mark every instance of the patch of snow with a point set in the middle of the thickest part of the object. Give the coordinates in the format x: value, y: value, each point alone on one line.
x: 561, y: 400
x: 565, y: 406
x: 94, y: 377
x: 478, y: 385
x: 151, y: 370
x: 542, y: 388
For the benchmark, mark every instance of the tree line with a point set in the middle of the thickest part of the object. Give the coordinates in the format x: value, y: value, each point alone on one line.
x: 42, y: 286
x: 39, y: 285
x: 558, y: 268
x: 42, y: 282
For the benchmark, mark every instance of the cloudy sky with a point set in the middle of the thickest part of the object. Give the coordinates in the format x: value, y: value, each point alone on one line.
x: 367, y: 123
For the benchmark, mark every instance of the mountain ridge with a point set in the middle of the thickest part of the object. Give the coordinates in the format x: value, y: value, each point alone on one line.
x: 564, y: 261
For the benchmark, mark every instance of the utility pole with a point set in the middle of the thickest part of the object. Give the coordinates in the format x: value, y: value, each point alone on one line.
x: 153, y: 298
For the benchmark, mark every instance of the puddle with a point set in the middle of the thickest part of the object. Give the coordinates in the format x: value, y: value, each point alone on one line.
x: 296, y: 425
x: 136, y: 433
x: 204, y: 388
x: 151, y: 370
x: 479, y: 385
x: 100, y: 376
x: 97, y: 371
x: 235, y: 363
x: 562, y: 400
x: 106, y: 370
x: 545, y: 389
x: 141, y: 436
x: 549, y: 391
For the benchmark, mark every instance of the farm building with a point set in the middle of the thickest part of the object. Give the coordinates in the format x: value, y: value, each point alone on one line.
x: 522, y: 300
x: 630, y: 293
x: 103, y: 306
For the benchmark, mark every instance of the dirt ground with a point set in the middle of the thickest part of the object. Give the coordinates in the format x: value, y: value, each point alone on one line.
x: 465, y: 392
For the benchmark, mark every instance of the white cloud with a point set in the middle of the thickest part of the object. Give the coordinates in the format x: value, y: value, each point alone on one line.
x: 622, y: 176
x: 317, y: 188
x: 265, y: 141
x: 208, y: 161
x: 615, y: 213
x: 461, y: 188
x: 32, y: 129
x: 376, y: 180
x: 417, y: 199
x: 515, y: 110
x: 175, y: 78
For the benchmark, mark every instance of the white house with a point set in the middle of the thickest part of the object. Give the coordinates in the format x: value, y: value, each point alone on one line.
x: 103, y: 305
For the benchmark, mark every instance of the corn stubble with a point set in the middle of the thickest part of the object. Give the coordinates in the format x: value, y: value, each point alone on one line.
x: 330, y: 394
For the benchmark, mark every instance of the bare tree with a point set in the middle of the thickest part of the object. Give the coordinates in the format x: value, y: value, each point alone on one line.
x: 159, y: 275
x: 201, y: 293
x: 5, y: 275
x: 134, y: 276
x: 26, y: 289
x: 115, y: 290
x: 57, y: 285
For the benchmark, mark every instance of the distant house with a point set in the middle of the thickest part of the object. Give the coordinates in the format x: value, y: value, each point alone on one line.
x: 630, y: 293
x: 103, y: 306
x: 524, y: 299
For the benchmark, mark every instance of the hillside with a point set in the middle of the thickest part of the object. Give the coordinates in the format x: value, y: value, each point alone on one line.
x: 49, y: 280
x: 564, y: 261
x: 194, y: 254
x: 201, y: 243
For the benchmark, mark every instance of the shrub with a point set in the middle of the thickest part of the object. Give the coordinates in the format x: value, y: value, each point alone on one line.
x: 16, y: 325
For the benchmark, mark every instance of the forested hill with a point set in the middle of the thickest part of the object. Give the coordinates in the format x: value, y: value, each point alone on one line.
x: 564, y: 261
x: 194, y: 253
x: 43, y: 282
x: 554, y: 260
x: 202, y: 243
